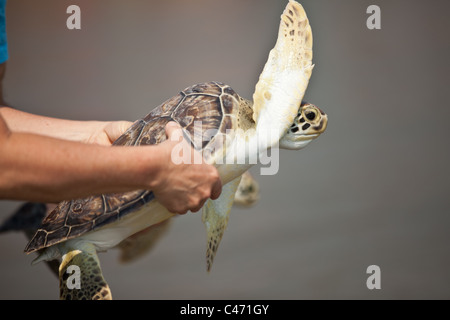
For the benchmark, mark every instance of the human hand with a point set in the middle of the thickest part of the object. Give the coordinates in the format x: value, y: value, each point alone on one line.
x: 182, y: 187
x: 105, y: 133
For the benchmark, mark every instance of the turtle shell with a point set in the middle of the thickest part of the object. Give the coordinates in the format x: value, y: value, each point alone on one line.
x: 204, y: 111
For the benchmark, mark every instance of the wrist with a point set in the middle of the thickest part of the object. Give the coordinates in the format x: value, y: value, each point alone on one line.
x: 152, y: 166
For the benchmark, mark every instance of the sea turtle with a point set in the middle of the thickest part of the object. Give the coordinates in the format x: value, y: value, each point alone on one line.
x: 216, y: 121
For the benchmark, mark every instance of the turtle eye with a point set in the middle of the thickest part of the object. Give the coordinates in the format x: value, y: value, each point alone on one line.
x: 311, y: 115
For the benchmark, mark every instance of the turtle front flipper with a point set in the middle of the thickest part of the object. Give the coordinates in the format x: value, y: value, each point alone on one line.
x: 80, y: 275
x: 284, y: 79
x: 215, y: 217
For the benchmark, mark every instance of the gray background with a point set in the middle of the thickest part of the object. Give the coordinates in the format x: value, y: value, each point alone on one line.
x: 373, y: 189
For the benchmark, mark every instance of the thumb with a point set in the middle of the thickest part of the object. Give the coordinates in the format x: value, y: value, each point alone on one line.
x: 115, y: 129
x: 173, y: 131
x: 120, y: 128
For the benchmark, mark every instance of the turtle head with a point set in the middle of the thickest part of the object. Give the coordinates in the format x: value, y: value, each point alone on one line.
x: 309, y: 123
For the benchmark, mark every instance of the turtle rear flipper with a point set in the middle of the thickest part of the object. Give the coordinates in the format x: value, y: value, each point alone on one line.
x: 28, y: 218
x: 80, y: 275
x: 215, y: 218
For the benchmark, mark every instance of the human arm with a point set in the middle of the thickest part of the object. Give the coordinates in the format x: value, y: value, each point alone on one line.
x: 43, y: 168
x: 100, y: 132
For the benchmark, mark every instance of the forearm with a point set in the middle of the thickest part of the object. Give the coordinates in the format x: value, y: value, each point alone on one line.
x: 40, y: 168
x: 19, y: 121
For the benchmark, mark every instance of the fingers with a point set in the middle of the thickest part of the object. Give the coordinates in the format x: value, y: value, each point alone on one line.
x: 198, y: 207
x: 216, y: 189
x: 195, y: 182
x: 173, y: 131
x: 123, y: 126
x: 209, y: 191
x: 115, y: 129
x: 182, y: 208
x: 188, y: 198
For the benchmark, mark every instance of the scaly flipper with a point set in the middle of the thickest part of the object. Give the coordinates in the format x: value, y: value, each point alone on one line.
x: 82, y: 257
x: 28, y: 218
x: 284, y: 79
x: 247, y: 192
x: 215, y: 217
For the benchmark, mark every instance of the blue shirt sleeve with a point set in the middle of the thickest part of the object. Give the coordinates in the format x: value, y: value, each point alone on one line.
x: 3, y: 40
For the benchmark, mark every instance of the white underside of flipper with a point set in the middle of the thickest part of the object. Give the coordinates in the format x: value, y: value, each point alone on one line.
x: 284, y: 79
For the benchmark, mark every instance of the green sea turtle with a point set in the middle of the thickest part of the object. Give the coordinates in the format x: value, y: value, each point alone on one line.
x: 216, y: 121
